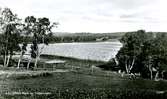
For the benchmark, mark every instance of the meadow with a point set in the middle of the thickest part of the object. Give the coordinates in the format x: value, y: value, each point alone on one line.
x: 79, y: 82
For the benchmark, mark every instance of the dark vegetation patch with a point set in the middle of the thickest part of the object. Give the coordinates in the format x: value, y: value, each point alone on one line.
x: 96, y: 93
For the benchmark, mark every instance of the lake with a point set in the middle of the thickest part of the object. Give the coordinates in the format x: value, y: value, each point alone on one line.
x: 100, y: 51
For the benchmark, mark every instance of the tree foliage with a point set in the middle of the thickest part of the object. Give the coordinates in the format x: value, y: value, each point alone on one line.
x: 10, y: 34
x: 15, y: 35
x: 39, y: 28
x: 143, y: 53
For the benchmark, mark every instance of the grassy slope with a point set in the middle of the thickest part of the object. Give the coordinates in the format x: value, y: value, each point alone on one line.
x: 81, y: 79
x: 81, y: 86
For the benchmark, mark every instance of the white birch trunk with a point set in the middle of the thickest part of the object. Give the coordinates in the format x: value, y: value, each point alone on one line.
x: 150, y: 69
x: 7, y: 64
x: 21, y: 56
x: 127, y: 71
x: 126, y: 67
x: 18, y: 65
x: 151, y: 73
x: 39, y: 52
x: 130, y: 68
x: 5, y: 61
x: 28, y: 64
x: 116, y: 61
x: 156, y: 76
x: 36, y: 61
x: 38, y: 57
x: 162, y: 74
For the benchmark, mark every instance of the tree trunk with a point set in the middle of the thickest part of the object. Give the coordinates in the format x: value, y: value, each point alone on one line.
x: 28, y: 64
x: 36, y: 61
x: 5, y: 60
x: 156, y: 76
x: 151, y: 74
x: 162, y: 74
x: 126, y: 67
x: 129, y: 66
x: 7, y: 64
x: 21, y: 56
x: 116, y: 61
x: 39, y: 54
x: 132, y: 64
x: 18, y: 65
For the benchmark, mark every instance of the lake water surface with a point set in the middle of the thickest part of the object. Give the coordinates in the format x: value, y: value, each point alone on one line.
x: 102, y: 51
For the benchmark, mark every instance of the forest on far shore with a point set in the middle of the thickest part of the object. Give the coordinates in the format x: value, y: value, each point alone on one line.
x: 61, y: 37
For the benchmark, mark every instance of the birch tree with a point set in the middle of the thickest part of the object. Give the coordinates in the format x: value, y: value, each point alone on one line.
x: 132, y: 48
x: 23, y: 48
x: 30, y: 24
x: 157, y: 55
x: 143, y: 53
x: 9, y: 25
x: 44, y: 28
x: 39, y: 28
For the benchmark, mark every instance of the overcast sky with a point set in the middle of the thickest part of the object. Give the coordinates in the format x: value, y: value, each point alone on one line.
x: 96, y: 15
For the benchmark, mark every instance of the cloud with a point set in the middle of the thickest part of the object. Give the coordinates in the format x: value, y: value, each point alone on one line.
x: 96, y: 15
x: 20, y: 7
x: 131, y: 4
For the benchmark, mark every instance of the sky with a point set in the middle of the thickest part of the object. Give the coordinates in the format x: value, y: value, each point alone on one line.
x: 97, y: 16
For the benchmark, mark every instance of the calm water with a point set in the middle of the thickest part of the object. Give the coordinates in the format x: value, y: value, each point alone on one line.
x: 102, y: 51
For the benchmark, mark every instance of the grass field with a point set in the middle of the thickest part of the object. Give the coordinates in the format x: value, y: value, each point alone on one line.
x: 81, y: 83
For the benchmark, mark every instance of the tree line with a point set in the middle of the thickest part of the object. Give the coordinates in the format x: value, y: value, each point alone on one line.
x: 15, y: 34
x: 81, y: 37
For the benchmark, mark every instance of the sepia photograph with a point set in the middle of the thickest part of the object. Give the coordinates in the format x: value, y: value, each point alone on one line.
x: 83, y: 49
